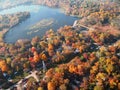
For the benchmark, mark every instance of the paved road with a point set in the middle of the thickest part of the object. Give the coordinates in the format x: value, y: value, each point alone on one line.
x: 20, y: 85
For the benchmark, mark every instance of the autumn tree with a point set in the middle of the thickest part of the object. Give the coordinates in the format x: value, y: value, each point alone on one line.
x: 3, y: 66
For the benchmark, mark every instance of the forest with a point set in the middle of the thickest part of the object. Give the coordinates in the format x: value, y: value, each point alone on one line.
x: 69, y: 59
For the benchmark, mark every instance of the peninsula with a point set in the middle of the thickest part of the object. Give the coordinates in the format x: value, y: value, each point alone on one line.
x: 10, y: 20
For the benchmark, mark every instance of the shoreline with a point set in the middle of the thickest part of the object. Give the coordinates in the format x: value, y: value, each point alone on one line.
x: 4, y: 31
x: 49, y: 7
x: 74, y: 25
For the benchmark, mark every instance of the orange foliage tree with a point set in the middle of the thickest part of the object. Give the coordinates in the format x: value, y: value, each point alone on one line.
x: 3, y: 66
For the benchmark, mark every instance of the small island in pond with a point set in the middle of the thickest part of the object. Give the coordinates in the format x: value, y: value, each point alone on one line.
x: 41, y: 24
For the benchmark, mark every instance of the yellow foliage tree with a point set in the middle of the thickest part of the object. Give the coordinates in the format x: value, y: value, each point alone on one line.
x: 40, y: 88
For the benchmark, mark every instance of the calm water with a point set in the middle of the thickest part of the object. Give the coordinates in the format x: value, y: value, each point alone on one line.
x: 37, y: 13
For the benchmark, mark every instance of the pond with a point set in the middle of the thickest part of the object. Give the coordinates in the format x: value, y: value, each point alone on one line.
x: 42, y: 18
